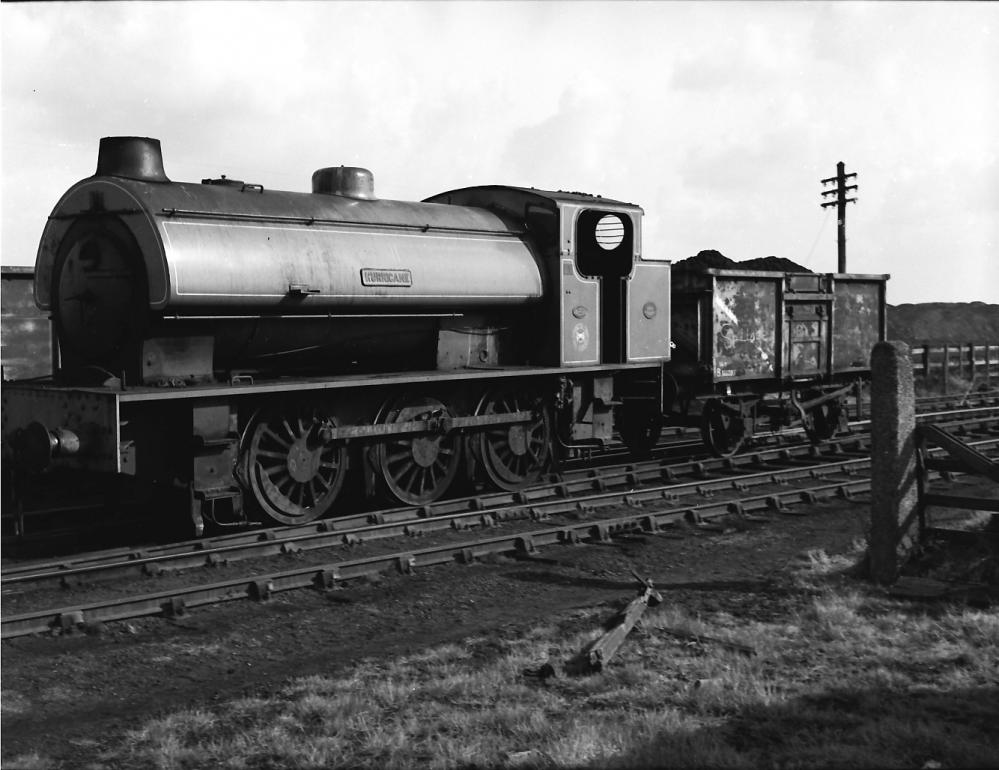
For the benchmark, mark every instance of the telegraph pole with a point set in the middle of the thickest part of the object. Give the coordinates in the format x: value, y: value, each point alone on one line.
x: 840, y: 191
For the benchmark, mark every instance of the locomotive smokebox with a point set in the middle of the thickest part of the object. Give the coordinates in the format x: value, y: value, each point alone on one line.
x: 133, y: 157
x: 348, y: 181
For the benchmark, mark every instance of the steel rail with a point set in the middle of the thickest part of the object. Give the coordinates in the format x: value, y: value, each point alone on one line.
x: 526, y: 508
x: 663, y: 452
x: 217, y: 550
x: 560, y: 487
x: 327, y: 575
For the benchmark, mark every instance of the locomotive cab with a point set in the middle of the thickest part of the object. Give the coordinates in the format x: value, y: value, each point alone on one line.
x: 629, y: 292
x: 608, y: 308
x: 610, y: 302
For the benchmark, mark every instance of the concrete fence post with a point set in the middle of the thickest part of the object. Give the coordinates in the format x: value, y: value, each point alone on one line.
x: 894, y: 491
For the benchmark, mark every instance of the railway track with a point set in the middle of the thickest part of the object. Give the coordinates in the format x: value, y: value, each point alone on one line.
x: 563, y: 486
x: 952, y: 401
x: 675, y: 442
x: 652, y: 497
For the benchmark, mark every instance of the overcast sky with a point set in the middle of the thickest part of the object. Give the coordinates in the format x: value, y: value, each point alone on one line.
x: 719, y: 119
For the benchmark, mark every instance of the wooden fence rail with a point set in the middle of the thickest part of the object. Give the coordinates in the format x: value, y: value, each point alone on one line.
x: 976, y: 363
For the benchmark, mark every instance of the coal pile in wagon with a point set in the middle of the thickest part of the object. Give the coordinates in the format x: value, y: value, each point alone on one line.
x: 773, y: 264
x: 710, y: 258
x: 705, y: 260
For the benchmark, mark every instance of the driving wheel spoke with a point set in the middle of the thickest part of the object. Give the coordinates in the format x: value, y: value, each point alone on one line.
x: 416, y: 468
x: 295, y: 478
x: 514, y: 456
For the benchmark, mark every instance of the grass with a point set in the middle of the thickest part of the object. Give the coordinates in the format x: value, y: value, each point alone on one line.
x: 841, y: 677
x: 957, y: 385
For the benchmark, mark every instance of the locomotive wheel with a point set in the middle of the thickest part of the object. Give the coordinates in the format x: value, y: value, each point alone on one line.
x: 722, y: 429
x: 417, y: 469
x: 514, y: 456
x: 294, y: 475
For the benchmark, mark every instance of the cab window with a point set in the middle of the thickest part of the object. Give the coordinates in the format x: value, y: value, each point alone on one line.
x: 604, y: 244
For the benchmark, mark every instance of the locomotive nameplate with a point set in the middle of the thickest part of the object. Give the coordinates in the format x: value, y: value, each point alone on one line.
x: 386, y: 277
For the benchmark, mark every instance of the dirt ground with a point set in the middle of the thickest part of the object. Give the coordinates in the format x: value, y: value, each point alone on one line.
x: 65, y: 697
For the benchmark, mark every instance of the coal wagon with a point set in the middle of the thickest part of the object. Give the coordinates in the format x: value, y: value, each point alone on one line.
x: 759, y: 350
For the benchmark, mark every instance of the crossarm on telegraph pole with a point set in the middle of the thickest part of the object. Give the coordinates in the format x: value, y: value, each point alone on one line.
x: 841, y: 191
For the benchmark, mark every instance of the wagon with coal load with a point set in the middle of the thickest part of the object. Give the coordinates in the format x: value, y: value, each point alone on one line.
x: 758, y: 350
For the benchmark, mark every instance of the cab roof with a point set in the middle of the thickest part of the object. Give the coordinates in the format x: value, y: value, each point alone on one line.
x: 471, y: 196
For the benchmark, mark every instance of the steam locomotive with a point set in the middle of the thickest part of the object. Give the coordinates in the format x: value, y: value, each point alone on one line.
x: 246, y: 344
x: 253, y: 349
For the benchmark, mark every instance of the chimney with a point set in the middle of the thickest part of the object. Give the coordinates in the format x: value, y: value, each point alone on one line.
x: 133, y: 157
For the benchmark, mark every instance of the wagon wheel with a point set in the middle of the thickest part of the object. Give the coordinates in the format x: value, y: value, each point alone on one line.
x: 824, y: 421
x: 514, y: 456
x: 295, y: 476
x: 722, y: 428
x: 639, y: 428
x: 417, y: 468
